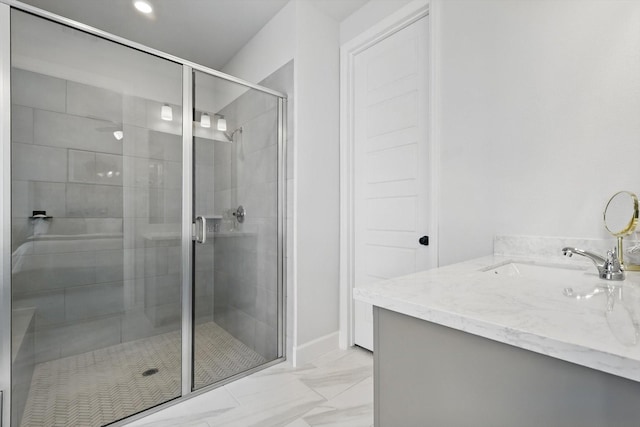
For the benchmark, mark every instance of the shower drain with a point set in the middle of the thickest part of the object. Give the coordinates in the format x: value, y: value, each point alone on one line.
x: 150, y: 372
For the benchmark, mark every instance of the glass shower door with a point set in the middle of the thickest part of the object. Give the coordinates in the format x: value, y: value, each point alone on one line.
x: 114, y: 310
x: 96, y: 214
x: 236, y: 293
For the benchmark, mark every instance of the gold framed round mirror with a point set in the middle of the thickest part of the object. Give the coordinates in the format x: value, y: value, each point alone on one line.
x: 621, y: 214
x: 621, y: 217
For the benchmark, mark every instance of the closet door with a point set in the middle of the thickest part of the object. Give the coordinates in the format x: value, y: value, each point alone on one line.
x: 391, y: 198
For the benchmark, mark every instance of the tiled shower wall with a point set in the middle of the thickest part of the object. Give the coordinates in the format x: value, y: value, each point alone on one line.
x: 245, y: 173
x: 205, y: 261
x: 106, y: 267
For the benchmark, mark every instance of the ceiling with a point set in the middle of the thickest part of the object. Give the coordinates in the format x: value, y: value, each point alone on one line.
x: 208, y: 32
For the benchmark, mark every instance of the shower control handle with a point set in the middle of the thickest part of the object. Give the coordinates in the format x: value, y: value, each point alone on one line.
x: 201, y: 229
x: 240, y: 213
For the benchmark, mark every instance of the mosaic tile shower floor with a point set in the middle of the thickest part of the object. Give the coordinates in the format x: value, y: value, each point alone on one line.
x: 101, y: 386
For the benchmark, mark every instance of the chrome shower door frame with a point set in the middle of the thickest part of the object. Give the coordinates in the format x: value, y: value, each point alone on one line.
x: 187, y: 230
x: 187, y: 279
x: 5, y: 213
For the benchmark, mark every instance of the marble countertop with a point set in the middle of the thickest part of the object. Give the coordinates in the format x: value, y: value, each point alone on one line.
x: 528, y: 311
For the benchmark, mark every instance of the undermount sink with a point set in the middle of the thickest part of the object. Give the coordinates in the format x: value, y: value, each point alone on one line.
x: 533, y: 270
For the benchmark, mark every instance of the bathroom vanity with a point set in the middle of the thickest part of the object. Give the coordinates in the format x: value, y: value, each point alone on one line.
x: 506, y: 341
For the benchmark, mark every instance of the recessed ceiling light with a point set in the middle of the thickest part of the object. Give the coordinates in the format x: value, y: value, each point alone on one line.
x: 143, y: 6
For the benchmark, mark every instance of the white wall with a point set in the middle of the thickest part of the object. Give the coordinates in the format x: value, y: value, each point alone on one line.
x: 317, y: 172
x: 539, y: 107
x: 369, y: 14
x: 536, y: 109
x: 272, y: 47
x: 300, y: 32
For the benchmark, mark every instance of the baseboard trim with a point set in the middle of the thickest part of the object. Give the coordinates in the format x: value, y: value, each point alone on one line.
x: 308, y: 351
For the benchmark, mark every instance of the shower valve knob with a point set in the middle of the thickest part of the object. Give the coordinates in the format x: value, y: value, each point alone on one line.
x: 240, y: 214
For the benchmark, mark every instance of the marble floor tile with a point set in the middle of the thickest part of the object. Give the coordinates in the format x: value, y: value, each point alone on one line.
x: 352, y: 408
x: 330, y: 379
x: 281, y: 393
x: 192, y: 411
x: 251, y: 390
x: 274, y: 415
x: 334, y: 356
x: 333, y: 390
x: 298, y: 423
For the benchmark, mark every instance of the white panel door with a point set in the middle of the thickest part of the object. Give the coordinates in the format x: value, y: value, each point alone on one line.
x: 391, y: 164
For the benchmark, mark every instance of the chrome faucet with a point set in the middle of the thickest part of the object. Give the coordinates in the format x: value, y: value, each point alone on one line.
x: 609, y: 268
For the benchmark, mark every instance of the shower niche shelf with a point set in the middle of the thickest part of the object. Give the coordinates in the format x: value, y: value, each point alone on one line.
x: 40, y: 215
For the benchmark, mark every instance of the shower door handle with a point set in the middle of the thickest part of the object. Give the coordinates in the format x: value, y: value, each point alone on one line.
x: 201, y: 229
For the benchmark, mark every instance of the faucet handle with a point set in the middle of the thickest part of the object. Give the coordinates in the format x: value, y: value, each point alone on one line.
x: 612, y: 269
x: 609, y: 267
x: 616, y: 256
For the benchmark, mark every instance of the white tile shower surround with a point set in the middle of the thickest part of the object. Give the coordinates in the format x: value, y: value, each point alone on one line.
x: 333, y: 390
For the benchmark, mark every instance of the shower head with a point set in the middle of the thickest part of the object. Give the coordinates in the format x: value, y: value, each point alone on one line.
x: 232, y: 134
x: 225, y: 136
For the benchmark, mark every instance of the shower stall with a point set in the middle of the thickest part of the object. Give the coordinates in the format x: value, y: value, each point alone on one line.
x: 142, y: 225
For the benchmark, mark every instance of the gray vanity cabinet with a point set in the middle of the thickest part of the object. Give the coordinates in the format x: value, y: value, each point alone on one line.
x: 431, y: 375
